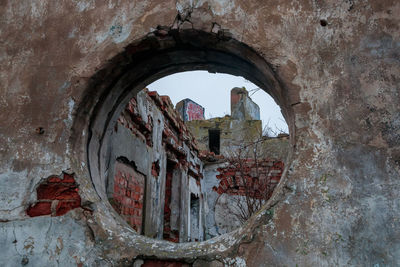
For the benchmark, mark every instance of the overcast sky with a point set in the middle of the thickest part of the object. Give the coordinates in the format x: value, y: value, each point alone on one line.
x: 212, y: 91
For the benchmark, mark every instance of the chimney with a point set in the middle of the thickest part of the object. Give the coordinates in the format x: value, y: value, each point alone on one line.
x: 242, y: 107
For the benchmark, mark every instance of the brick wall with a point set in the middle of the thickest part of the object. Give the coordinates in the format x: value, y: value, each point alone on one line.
x: 128, y: 195
x: 248, y: 177
x: 55, y: 196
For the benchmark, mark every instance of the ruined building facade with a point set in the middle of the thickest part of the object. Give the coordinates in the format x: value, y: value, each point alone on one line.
x: 157, y: 180
x: 224, y: 135
x: 241, y: 166
x: 155, y: 174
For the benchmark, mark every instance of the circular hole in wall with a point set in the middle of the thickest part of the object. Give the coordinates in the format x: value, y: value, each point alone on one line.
x: 110, y: 94
x: 204, y: 174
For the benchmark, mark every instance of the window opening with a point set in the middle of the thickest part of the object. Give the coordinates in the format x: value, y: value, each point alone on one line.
x: 214, y: 141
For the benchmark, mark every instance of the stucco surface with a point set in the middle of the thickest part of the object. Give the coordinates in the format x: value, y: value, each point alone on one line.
x: 338, y: 201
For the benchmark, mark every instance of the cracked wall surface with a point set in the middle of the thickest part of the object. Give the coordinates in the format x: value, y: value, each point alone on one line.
x: 336, y: 64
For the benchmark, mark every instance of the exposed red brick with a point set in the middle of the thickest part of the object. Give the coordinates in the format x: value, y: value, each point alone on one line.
x: 116, y: 188
x: 137, y: 197
x: 220, y: 190
x: 155, y: 169
x: 68, y: 178
x: 65, y: 206
x: 65, y: 191
x: 128, y: 194
x: 246, y: 179
x: 54, y: 179
x: 57, y: 191
x: 39, y: 209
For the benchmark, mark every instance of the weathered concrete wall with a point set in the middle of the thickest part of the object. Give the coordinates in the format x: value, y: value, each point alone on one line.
x: 210, y: 181
x: 239, y: 131
x: 242, y: 131
x: 336, y: 64
x: 234, y: 134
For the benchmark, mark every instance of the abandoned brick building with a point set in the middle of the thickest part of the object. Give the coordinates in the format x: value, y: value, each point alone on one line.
x: 222, y: 135
x: 154, y: 161
x: 238, y: 161
x: 69, y: 68
x: 157, y: 181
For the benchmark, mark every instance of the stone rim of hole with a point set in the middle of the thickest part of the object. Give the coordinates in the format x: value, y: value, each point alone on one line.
x: 143, y: 62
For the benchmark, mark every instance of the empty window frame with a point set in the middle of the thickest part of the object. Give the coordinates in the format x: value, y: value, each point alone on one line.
x: 214, y: 140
